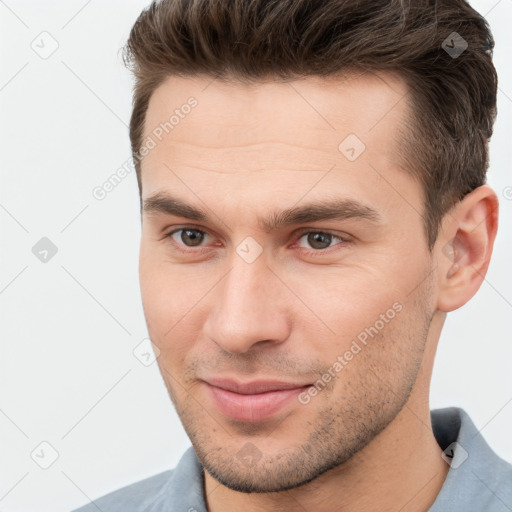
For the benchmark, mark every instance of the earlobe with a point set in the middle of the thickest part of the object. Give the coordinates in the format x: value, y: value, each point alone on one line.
x: 465, y: 247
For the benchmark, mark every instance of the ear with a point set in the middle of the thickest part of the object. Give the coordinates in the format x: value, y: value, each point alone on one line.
x: 464, y: 247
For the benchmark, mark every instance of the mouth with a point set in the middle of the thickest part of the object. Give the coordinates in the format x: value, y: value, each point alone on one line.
x: 252, y: 401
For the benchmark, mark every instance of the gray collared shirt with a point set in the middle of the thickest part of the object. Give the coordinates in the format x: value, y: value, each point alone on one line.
x: 478, y: 480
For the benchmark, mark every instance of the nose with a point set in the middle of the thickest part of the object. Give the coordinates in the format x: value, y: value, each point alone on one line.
x: 251, y: 306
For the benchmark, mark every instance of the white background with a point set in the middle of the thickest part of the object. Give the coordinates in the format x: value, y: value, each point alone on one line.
x: 68, y: 327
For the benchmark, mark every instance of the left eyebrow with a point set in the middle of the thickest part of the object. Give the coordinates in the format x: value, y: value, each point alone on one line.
x: 332, y: 209
x: 336, y: 209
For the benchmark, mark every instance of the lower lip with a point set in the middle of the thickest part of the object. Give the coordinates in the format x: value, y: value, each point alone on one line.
x: 257, y: 407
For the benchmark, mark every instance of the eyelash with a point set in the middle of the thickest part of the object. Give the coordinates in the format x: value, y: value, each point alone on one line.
x: 309, y: 252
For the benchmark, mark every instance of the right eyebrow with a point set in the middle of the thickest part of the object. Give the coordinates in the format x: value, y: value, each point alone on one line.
x: 169, y: 205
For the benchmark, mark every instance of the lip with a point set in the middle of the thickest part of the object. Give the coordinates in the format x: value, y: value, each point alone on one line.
x: 252, y: 401
x: 253, y: 387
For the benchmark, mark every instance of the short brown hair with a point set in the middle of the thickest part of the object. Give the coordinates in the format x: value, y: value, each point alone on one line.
x: 453, y: 97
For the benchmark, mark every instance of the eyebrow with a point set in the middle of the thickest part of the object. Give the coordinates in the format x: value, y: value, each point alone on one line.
x: 327, y: 209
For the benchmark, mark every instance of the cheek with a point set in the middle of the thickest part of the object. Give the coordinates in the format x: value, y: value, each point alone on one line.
x: 174, y: 302
x: 373, y: 318
x: 155, y: 294
x: 163, y: 285
x: 347, y: 300
x: 378, y: 363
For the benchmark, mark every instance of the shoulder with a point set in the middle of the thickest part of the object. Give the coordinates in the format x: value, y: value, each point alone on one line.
x: 478, y: 479
x: 136, y: 496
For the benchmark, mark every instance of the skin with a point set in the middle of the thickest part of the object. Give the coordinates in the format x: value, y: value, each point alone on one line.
x: 365, y: 442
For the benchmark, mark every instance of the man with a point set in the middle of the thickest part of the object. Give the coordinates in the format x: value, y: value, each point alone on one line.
x: 314, y: 202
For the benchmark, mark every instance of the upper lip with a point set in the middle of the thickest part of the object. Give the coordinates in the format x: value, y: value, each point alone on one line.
x: 255, y: 386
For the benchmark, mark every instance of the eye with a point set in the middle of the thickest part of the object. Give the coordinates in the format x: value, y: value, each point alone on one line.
x: 189, y: 237
x: 320, y: 240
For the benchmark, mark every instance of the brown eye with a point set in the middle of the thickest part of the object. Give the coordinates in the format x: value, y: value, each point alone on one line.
x: 189, y: 237
x: 318, y: 240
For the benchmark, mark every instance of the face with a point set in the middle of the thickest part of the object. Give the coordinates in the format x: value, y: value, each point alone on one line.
x: 281, y: 241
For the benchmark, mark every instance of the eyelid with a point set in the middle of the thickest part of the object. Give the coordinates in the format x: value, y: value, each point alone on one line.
x: 297, y: 232
x: 339, y: 234
x: 344, y: 238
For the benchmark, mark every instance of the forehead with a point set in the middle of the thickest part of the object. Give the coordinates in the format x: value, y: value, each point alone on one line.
x: 296, y: 112
x: 266, y: 134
